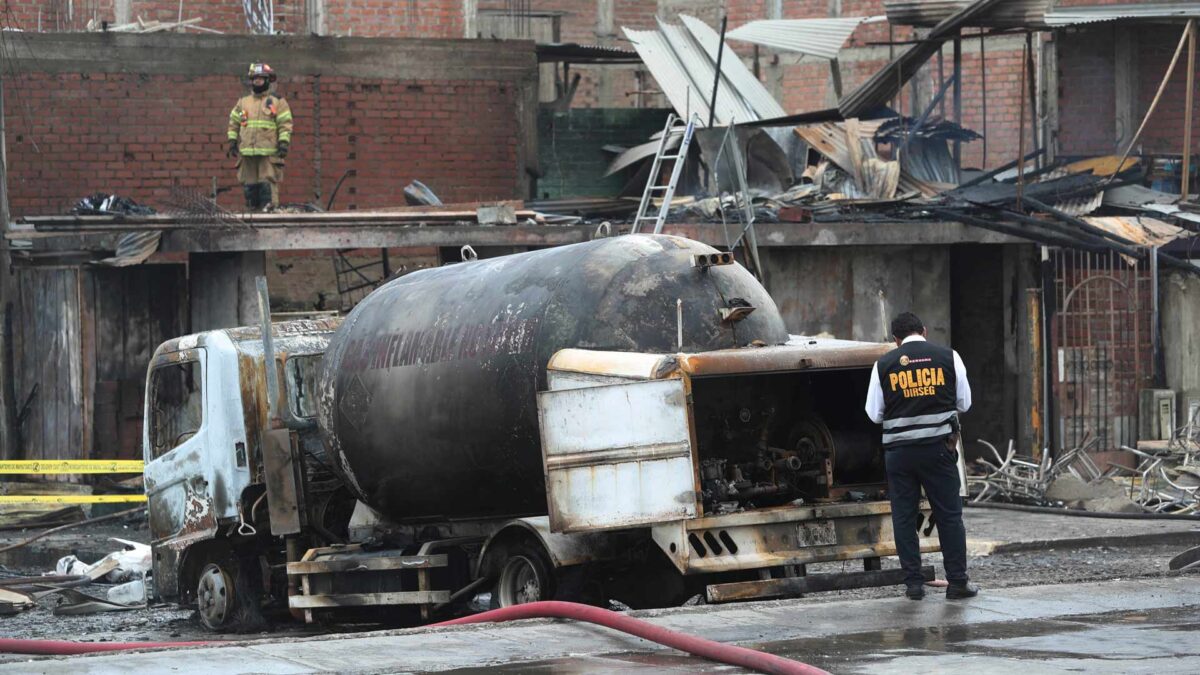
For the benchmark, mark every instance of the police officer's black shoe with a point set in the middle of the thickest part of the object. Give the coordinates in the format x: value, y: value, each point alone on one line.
x: 915, y: 591
x: 961, y: 591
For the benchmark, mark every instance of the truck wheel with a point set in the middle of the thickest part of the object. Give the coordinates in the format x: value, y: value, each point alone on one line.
x: 525, y: 577
x: 226, y: 600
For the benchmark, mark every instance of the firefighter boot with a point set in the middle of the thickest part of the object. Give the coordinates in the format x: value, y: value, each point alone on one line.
x: 266, y: 196
x: 258, y: 196
x: 250, y: 191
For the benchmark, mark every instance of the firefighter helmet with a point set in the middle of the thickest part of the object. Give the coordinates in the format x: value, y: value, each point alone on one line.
x: 261, y: 70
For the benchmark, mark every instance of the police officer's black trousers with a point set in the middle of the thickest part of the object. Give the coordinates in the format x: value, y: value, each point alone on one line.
x: 935, y: 468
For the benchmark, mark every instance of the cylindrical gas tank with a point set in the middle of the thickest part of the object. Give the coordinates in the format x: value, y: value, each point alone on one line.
x: 428, y: 390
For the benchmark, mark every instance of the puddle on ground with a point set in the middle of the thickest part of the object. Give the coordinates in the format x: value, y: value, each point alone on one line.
x: 1107, y: 636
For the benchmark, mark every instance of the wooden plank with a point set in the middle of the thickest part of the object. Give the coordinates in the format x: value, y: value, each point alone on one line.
x: 85, y: 295
x: 362, y: 564
x: 816, y: 583
x: 368, y: 599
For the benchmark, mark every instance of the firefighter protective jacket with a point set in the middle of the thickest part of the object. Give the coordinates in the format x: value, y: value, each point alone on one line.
x: 919, y: 393
x: 259, y: 123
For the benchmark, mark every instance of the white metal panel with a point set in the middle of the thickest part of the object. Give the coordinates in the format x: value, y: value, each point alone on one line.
x: 670, y: 74
x: 617, y: 456
x: 752, y: 95
x: 702, y: 69
x: 822, y: 38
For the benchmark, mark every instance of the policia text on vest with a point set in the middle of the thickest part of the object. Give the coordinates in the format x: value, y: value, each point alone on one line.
x: 919, y: 382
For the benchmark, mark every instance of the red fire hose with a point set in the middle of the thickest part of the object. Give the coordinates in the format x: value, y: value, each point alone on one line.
x: 714, y: 651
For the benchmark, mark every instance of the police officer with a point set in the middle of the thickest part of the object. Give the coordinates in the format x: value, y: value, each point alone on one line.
x: 916, y: 391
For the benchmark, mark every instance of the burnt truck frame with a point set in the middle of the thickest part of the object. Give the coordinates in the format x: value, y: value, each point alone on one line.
x: 243, y: 507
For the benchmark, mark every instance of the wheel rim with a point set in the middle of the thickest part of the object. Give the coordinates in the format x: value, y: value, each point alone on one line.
x: 214, y: 596
x: 520, y: 582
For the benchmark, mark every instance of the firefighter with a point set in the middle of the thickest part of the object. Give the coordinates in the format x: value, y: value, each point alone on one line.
x: 260, y: 132
x: 916, y: 392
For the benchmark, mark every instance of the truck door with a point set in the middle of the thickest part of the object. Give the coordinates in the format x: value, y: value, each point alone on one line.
x: 618, y: 456
x: 177, y: 469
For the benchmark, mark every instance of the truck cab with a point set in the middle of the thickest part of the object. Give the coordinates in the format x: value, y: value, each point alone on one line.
x: 207, y: 444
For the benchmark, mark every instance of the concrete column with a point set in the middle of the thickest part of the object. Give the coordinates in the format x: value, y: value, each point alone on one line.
x: 314, y: 15
x: 470, y: 15
x: 121, y: 11
x: 222, y: 291
x: 605, y: 31
x: 1180, y: 312
x: 1127, y: 115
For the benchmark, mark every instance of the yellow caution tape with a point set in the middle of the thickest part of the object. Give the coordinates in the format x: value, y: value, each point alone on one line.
x: 60, y: 466
x: 71, y: 499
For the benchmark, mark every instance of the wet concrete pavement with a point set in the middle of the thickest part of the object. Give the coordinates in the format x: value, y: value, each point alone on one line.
x: 1123, y: 642
x: 1118, y: 626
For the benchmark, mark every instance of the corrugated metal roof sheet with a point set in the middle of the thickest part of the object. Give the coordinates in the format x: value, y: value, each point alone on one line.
x: 1141, y: 230
x: 822, y: 38
x: 1070, y: 16
x: 133, y: 248
x: 682, y: 60
x: 747, y: 86
x: 577, y: 53
x: 1010, y: 14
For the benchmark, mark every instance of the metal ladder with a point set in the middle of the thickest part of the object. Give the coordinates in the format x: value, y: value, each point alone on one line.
x: 668, y: 190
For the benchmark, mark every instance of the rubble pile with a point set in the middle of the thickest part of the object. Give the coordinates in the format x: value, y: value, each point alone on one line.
x: 1165, y: 479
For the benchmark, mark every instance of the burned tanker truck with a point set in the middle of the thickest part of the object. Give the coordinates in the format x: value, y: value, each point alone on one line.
x: 624, y: 419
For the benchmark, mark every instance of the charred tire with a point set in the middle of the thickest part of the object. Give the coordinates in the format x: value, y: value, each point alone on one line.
x: 228, y: 598
x: 524, y: 576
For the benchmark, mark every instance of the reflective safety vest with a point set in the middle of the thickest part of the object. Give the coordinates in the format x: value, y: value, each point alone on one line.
x: 919, y: 394
x: 259, y: 123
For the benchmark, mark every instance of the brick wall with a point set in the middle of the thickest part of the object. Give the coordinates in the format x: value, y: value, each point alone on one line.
x: 1164, y: 134
x: 1088, y: 93
x: 138, y: 134
x: 395, y: 18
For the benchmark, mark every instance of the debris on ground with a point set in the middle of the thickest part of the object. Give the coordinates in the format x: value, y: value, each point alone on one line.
x: 1165, y: 479
x: 119, y: 566
x: 101, y: 204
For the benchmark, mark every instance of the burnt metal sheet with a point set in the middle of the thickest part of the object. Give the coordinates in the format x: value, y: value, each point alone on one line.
x: 579, y: 53
x: 822, y: 38
x: 682, y: 59
x: 1141, y: 230
x: 133, y: 248
x: 800, y: 353
x: 926, y: 13
x: 282, y: 479
x: 786, y: 535
x: 1072, y: 16
x: 601, y: 475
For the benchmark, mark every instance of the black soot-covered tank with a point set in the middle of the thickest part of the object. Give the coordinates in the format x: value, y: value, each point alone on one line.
x: 428, y: 392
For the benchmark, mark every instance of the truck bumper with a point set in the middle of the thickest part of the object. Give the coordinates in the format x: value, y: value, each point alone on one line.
x: 789, y: 535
